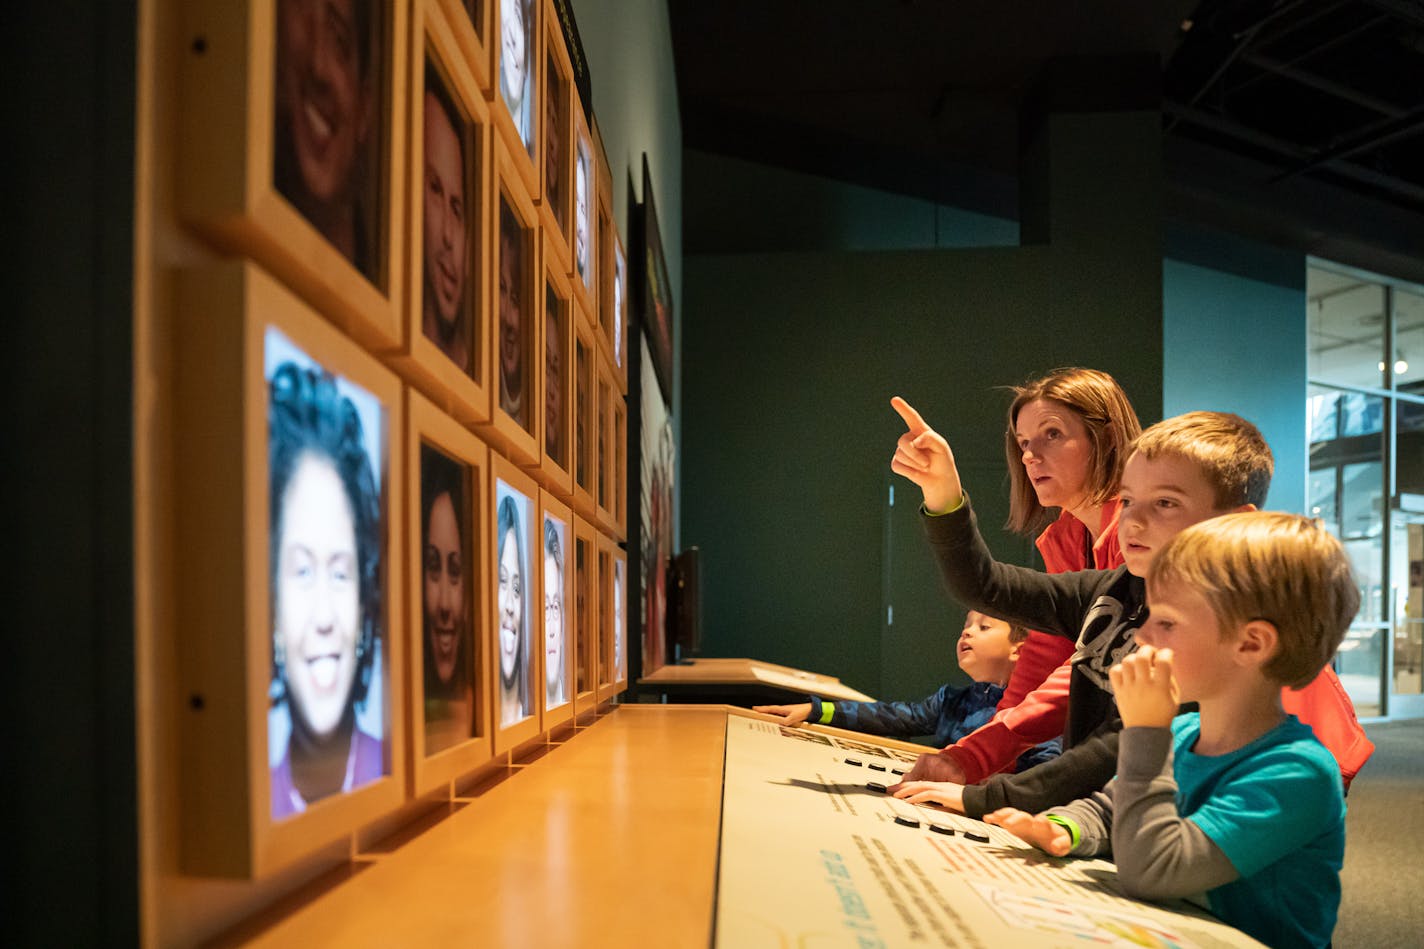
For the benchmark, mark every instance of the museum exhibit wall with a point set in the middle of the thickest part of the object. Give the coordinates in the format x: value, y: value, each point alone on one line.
x: 177, y: 906
x: 858, y: 264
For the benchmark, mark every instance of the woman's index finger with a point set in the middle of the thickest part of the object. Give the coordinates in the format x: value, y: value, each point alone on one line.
x: 907, y: 412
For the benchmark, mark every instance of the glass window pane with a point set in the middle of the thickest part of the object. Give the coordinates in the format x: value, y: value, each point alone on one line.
x: 1407, y: 590
x: 1358, y: 665
x: 1361, y: 414
x: 1409, y: 342
x: 1320, y: 498
x: 1324, y: 415
x: 1346, y: 326
x: 1361, y: 502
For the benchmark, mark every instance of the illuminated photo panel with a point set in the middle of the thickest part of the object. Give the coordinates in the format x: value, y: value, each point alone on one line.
x: 449, y: 232
x: 448, y: 594
x: 330, y: 122
x: 326, y: 723
x: 514, y: 520
x: 516, y: 66
x: 556, y: 621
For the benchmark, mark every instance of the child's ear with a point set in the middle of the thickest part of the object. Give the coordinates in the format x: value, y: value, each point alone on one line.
x: 1258, y: 642
x: 1014, y: 650
x: 1243, y: 509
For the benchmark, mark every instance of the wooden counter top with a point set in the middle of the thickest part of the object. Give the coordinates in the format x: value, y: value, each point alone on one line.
x: 609, y: 839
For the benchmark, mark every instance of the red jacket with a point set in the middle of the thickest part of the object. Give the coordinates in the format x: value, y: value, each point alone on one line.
x: 1035, y: 702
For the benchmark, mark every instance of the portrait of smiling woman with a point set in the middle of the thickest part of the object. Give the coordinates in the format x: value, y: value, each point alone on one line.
x: 324, y: 557
x: 446, y: 642
x: 512, y: 582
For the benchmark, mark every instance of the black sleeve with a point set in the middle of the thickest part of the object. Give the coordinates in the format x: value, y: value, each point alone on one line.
x: 1052, y: 603
x: 1086, y: 767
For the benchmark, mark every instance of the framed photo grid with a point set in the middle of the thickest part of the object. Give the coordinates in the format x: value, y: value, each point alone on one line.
x: 425, y: 598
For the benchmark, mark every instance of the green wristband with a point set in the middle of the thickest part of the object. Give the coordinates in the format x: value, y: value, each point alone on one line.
x: 828, y: 711
x: 1075, y: 836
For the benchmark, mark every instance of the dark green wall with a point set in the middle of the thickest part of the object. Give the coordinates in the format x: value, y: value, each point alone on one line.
x: 790, y: 360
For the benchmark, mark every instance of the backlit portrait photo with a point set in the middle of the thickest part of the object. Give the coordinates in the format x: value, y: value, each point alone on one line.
x: 618, y: 274
x: 447, y: 594
x: 447, y: 319
x: 582, y: 637
x: 618, y: 624
x: 512, y: 523
x: 553, y: 376
x: 516, y: 65
x: 328, y: 116
x: 513, y: 279
x: 583, y: 213
x: 555, y: 543
x: 326, y: 728
x: 555, y: 188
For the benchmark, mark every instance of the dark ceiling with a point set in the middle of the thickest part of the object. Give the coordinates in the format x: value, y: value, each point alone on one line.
x: 1299, y: 120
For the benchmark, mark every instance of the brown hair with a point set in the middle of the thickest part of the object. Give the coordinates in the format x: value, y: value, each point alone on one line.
x: 1017, y: 633
x: 1097, y: 399
x: 1266, y: 565
x: 1230, y: 452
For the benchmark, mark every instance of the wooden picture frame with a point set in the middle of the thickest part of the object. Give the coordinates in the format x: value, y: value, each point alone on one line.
x: 586, y: 422
x: 315, y: 193
x: 472, y: 22
x: 621, y: 600
x: 610, y: 256
x: 556, y: 377
x: 517, y: 126
x: 612, y: 618
x: 614, y: 305
x: 513, y: 670
x: 606, y: 445
x: 556, y: 166
x: 556, y: 595
x: 446, y: 350
x: 515, y: 406
x: 586, y: 644
x: 583, y: 275
x: 256, y: 656
x: 440, y: 749
x: 618, y: 461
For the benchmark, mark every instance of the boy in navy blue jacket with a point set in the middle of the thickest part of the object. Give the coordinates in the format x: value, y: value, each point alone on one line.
x: 986, y: 651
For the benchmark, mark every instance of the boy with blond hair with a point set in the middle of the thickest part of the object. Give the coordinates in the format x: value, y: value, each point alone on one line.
x: 1238, y: 800
x: 1178, y: 472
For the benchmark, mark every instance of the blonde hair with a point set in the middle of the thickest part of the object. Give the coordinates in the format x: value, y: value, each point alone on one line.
x: 1230, y: 452
x: 1097, y: 399
x: 1266, y: 565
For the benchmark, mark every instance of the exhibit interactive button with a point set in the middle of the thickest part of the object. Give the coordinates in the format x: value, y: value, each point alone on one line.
x: 906, y: 821
x: 981, y: 838
x: 942, y: 829
x: 875, y: 786
x: 853, y: 761
x: 897, y: 771
x: 876, y: 767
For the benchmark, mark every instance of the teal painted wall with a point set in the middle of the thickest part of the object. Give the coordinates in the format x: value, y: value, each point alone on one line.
x: 1234, y: 340
x: 790, y: 359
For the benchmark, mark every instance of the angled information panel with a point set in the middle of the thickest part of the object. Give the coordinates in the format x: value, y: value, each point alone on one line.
x: 815, y: 854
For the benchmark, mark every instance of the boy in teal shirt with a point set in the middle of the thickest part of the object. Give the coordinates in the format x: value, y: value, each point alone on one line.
x: 1238, y: 801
